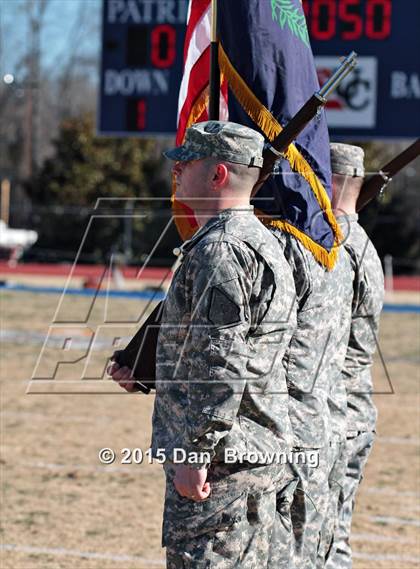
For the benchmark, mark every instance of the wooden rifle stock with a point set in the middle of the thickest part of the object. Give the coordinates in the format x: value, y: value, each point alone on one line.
x: 376, y: 184
x: 272, y: 152
x: 140, y: 354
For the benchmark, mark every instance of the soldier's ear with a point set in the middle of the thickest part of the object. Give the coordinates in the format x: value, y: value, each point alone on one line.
x: 220, y: 176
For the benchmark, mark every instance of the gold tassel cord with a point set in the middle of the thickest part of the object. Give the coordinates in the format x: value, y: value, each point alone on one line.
x: 327, y: 258
x: 199, y: 107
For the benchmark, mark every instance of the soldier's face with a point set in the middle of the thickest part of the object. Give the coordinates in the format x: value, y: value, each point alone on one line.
x: 188, y: 176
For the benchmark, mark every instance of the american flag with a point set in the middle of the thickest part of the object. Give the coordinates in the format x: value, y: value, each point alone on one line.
x: 194, y: 91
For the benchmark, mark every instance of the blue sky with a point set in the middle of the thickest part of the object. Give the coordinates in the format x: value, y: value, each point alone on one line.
x: 70, y: 26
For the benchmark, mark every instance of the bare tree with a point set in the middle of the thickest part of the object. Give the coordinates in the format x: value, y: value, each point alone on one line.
x: 35, y: 10
x: 45, y: 89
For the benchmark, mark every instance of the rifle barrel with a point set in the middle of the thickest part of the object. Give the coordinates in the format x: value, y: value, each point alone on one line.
x: 274, y: 150
x: 339, y: 74
x: 377, y: 183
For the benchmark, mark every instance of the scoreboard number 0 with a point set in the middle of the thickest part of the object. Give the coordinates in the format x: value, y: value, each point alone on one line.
x: 151, y: 46
x: 163, y: 52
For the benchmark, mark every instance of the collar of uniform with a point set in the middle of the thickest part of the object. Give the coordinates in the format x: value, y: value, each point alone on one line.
x: 220, y: 218
x: 347, y: 217
x: 232, y: 211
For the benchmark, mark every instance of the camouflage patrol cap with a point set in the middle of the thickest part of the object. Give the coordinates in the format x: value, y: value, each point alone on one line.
x: 220, y: 139
x: 347, y: 159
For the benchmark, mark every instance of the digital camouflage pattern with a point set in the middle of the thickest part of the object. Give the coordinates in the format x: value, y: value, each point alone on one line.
x: 361, y: 411
x: 367, y: 306
x: 281, y: 552
x: 324, y: 306
x: 220, y: 383
x: 225, y: 140
x: 357, y: 453
x: 308, y: 509
x: 336, y: 478
x: 324, y: 299
x: 227, y: 321
x: 232, y: 528
x: 337, y: 400
x: 347, y: 159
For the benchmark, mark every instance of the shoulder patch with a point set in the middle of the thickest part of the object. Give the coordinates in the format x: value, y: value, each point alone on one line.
x: 223, y: 311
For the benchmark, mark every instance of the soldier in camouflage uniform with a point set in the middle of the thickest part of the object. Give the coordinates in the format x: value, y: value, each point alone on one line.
x: 311, y: 365
x: 368, y: 292
x: 337, y: 403
x: 220, y: 382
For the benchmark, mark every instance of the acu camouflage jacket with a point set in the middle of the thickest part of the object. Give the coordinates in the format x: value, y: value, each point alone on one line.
x: 227, y: 321
x: 368, y: 295
x: 314, y: 359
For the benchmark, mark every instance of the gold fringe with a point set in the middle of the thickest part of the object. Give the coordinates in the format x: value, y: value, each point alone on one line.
x: 327, y: 258
x: 199, y: 106
x: 258, y: 112
x: 271, y: 128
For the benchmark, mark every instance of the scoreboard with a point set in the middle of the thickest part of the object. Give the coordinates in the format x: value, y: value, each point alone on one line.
x: 142, y: 61
x: 381, y: 98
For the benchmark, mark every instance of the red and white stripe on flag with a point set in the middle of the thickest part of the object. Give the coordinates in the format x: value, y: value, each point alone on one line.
x: 194, y: 91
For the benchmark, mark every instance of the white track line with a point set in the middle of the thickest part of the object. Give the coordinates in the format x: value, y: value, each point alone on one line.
x: 373, y: 537
x: 54, y: 466
x: 84, y: 554
x: 400, y: 403
x: 78, y: 342
x: 388, y: 491
x: 58, y: 418
x: 398, y: 440
x: 389, y: 520
x: 386, y: 557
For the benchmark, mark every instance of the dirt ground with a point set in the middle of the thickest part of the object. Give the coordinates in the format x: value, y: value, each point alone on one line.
x: 62, y: 508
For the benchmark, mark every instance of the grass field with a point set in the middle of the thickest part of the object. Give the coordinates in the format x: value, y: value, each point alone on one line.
x: 61, y: 508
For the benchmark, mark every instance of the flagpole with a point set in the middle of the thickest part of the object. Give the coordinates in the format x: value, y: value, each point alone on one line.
x: 214, y: 85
